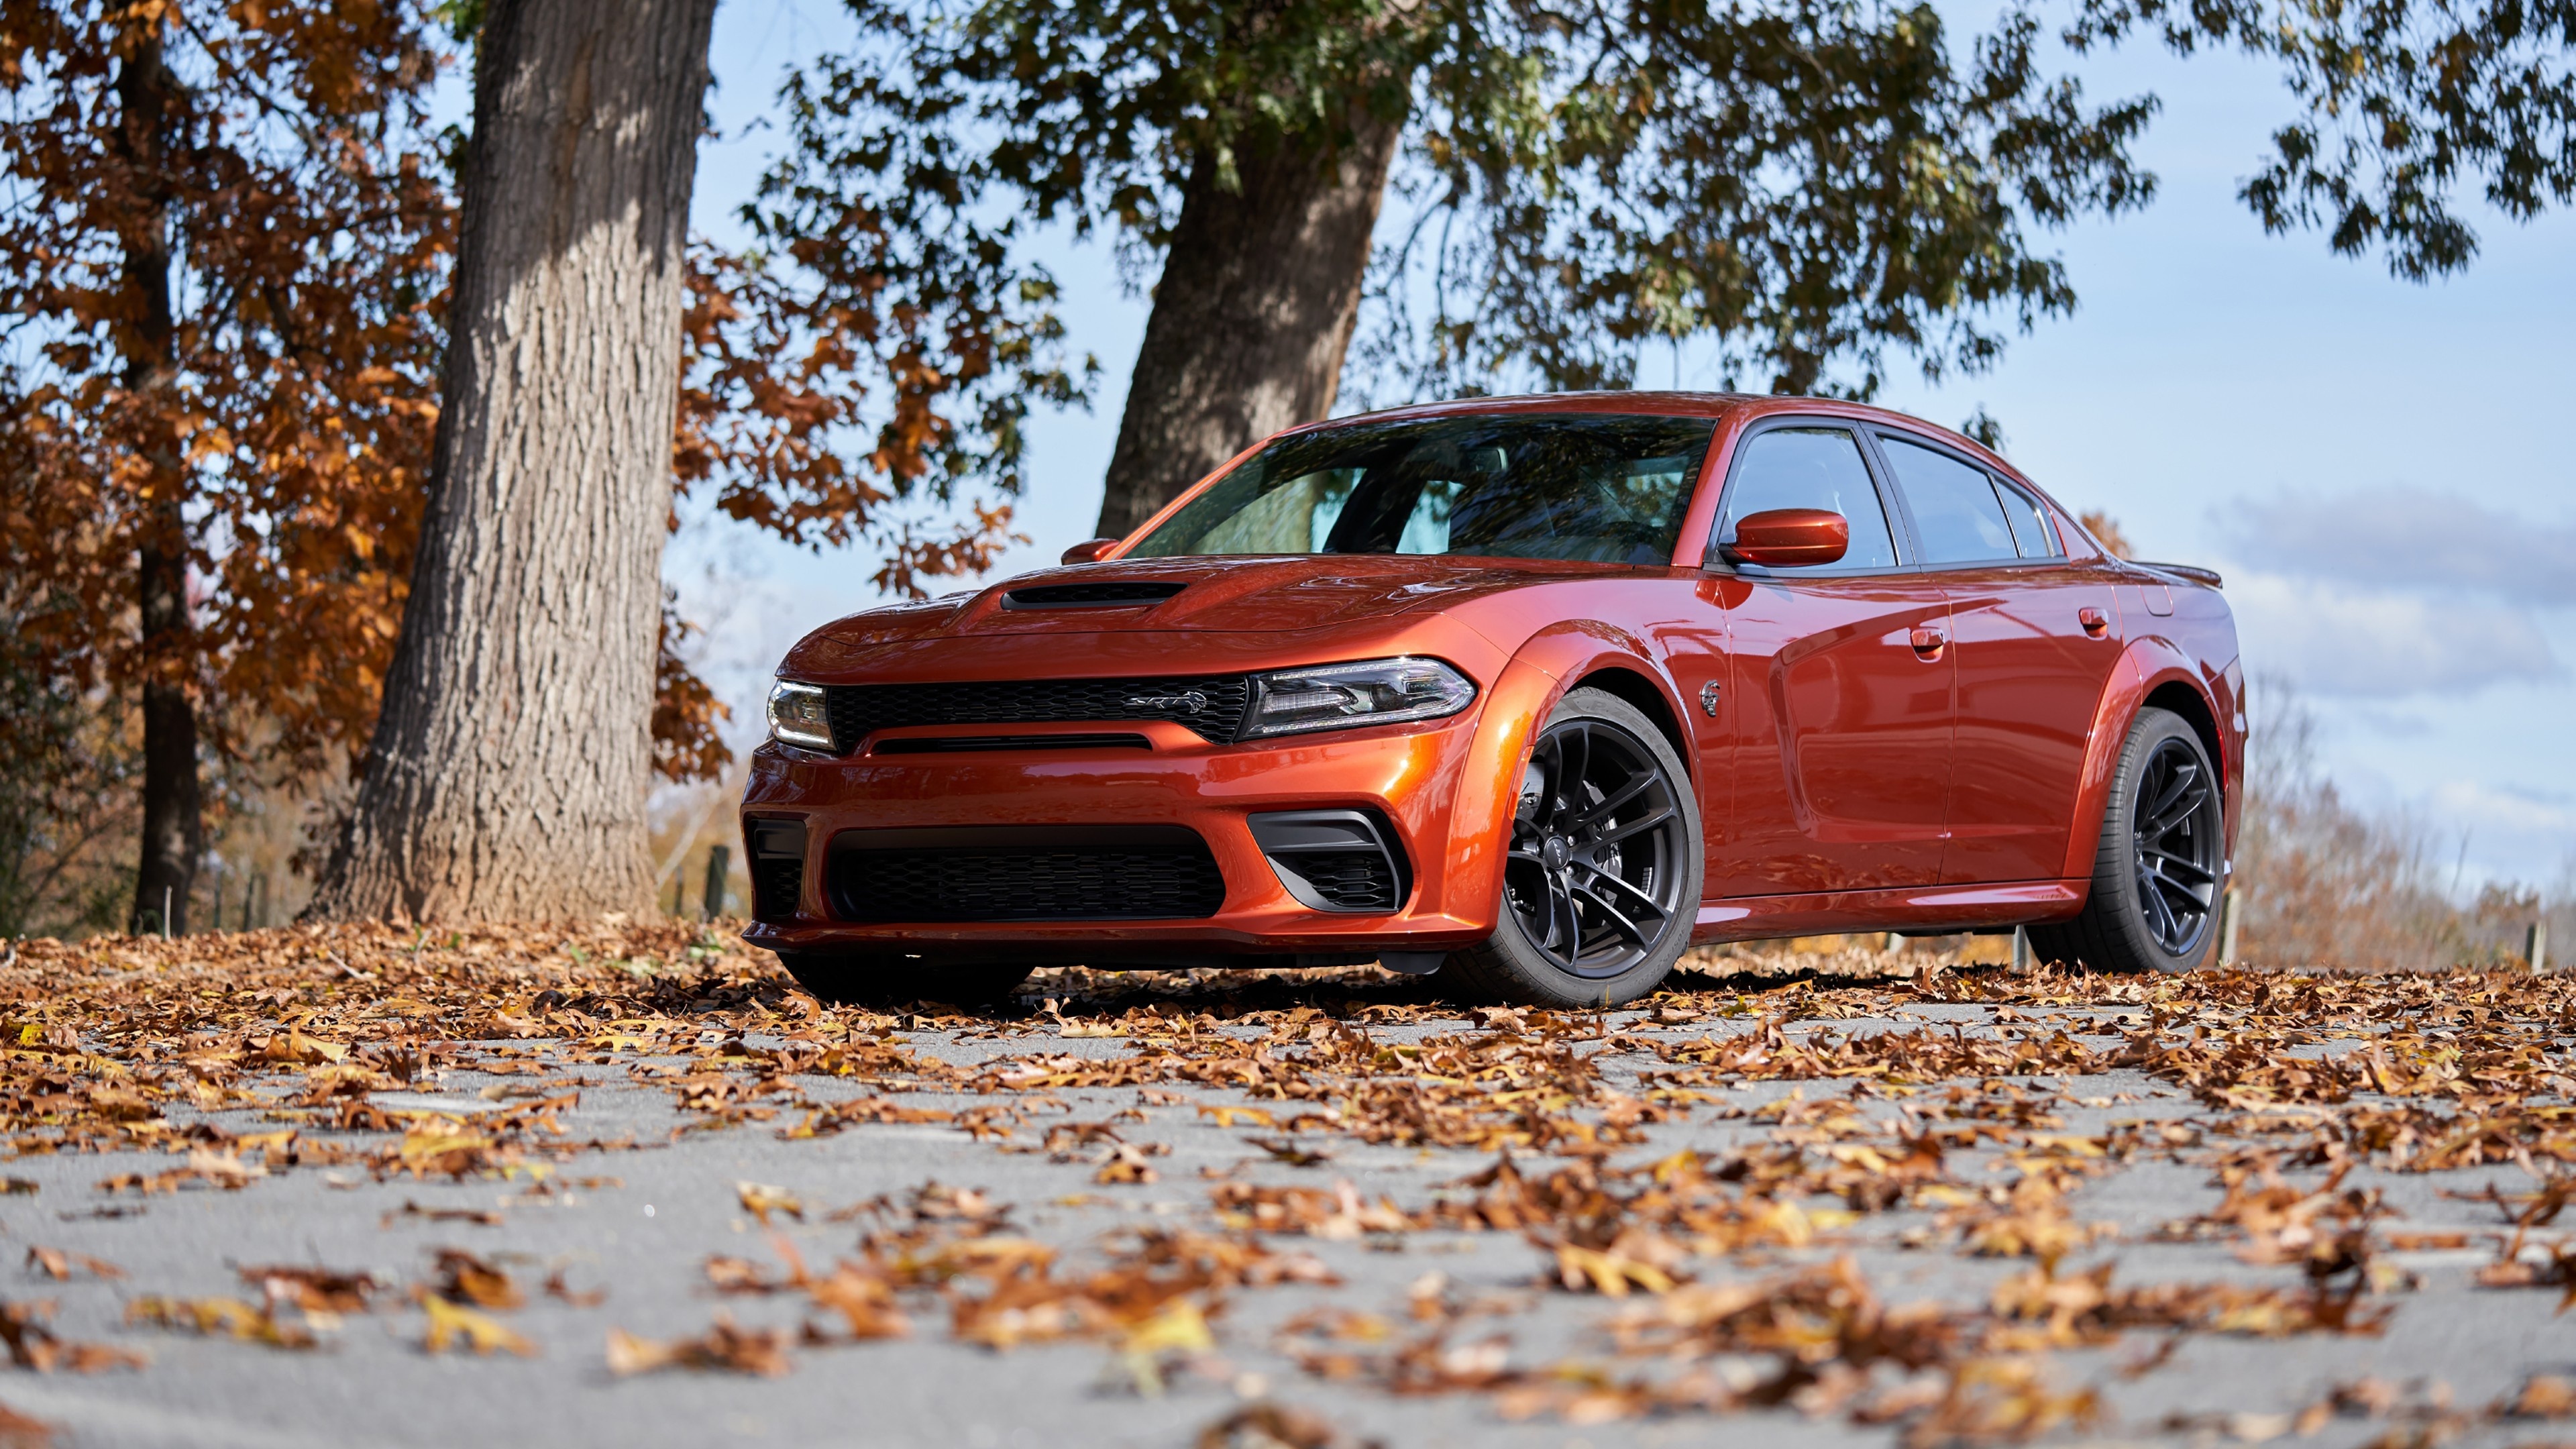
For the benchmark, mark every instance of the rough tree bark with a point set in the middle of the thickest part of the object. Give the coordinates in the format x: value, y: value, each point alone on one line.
x: 173, y: 806
x: 1253, y: 314
x: 508, y: 771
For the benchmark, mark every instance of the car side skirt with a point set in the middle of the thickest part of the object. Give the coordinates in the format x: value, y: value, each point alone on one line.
x: 1917, y: 909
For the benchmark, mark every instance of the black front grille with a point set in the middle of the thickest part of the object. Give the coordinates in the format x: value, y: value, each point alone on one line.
x: 973, y: 744
x: 1106, y: 594
x: 1358, y: 880
x: 1211, y: 705
x: 1024, y: 873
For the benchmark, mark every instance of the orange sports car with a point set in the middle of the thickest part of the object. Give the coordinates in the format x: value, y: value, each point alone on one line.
x: 1532, y: 692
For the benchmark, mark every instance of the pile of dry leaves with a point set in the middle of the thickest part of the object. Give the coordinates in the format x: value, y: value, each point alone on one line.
x: 1724, y: 1277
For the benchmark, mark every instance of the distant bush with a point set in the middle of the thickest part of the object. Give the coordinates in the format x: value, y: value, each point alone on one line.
x: 2325, y: 883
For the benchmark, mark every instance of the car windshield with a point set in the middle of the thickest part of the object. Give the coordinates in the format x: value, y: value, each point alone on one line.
x: 1595, y: 487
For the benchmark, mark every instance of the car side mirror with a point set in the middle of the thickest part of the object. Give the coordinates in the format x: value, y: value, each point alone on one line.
x: 1788, y: 538
x: 1089, y: 550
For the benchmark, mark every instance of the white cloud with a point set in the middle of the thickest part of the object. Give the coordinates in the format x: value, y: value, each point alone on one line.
x: 2331, y: 639
x: 2507, y: 832
x: 2507, y: 808
x: 2409, y: 539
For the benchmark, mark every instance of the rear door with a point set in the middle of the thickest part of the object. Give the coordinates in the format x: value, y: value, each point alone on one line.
x: 2036, y: 638
x: 1842, y: 684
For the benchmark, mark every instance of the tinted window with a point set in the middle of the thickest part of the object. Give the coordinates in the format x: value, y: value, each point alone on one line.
x: 1954, y: 505
x: 1811, y: 468
x: 1586, y: 486
x: 2031, y: 533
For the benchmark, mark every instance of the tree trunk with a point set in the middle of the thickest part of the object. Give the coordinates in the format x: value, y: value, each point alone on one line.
x: 508, y: 771
x: 1259, y: 291
x: 173, y: 808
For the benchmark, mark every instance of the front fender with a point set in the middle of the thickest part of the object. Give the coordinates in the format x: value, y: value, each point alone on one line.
x: 1528, y: 689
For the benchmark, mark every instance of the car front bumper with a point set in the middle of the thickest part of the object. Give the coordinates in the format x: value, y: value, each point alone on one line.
x: 1444, y: 788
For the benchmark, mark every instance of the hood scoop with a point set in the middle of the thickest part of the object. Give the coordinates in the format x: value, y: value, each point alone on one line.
x: 1104, y: 594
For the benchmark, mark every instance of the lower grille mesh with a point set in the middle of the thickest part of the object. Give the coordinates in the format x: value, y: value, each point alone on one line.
x: 1357, y: 880
x: 775, y: 885
x: 1053, y: 873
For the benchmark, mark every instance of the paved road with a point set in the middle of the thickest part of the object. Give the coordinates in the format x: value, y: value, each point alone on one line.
x: 2136, y: 1154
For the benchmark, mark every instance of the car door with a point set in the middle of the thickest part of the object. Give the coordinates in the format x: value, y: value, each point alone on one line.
x: 2036, y: 638
x: 1842, y: 683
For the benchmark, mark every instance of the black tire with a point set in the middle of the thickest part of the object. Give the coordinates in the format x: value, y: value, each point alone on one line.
x: 2159, y: 873
x: 885, y: 978
x: 1586, y: 868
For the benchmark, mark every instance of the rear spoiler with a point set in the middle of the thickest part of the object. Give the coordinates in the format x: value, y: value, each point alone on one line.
x: 2185, y: 571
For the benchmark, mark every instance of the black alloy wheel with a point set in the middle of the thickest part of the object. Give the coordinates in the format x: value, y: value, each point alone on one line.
x: 2176, y: 844
x: 1601, y: 880
x: 2160, y: 867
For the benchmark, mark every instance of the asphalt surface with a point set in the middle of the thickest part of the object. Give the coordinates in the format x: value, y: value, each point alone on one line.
x: 639, y: 1224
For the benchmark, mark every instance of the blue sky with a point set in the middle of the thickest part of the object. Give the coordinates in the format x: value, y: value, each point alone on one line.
x: 2369, y: 461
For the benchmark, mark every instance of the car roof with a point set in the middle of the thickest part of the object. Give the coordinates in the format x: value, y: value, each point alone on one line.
x: 1721, y: 406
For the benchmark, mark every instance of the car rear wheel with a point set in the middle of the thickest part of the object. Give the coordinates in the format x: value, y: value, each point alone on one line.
x: 885, y: 978
x: 1602, y: 878
x: 2159, y: 870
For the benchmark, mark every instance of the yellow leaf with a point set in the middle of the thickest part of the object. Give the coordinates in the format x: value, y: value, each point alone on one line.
x: 628, y: 1354
x: 219, y: 1317
x: 1228, y: 1116
x: 760, y: 1200
x: 1609, y: 1274
x: 450, y: 1324
x: 1178, y: 1327
x: 429, y: 1142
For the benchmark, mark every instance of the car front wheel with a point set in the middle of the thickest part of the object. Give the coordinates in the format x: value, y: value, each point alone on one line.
x: 2160, y: 869
x: 1601, y: 880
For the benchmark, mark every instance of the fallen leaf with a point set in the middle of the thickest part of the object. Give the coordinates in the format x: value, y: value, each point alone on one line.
x: 760, y: 1351
x: 450, y: 1324
x: 57, y: 1264
x: 464, y: 1278
x: 760, y: 1200
x: 220, y: 1318
x: 17, y: 1431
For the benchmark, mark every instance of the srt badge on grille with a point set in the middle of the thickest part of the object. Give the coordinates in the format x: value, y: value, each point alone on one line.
x: 1190, y: 703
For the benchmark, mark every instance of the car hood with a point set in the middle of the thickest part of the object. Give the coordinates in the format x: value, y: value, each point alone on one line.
x: 1255, y: 595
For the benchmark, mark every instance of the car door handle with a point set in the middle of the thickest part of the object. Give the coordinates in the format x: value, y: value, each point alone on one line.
x: 1928, y: 644
x: 2095, y: 622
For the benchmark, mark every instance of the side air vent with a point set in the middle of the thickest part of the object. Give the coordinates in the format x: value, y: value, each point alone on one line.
x: 1333, y: 860
x: 1024, y: 873
x: 777, y: 868
x: 1106, y: 594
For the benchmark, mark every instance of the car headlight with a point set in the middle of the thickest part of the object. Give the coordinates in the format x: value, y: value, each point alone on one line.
x: 1345, y: 696
x: 799, y: 715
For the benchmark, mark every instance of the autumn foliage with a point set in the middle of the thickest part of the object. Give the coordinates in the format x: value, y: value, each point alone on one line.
x: 227, y: 269
x: 224, y: 260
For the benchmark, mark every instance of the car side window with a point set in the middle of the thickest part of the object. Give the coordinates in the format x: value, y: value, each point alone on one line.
x: 2030, y: 530
x: 1811, y: 468
x: 1955, y: 508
